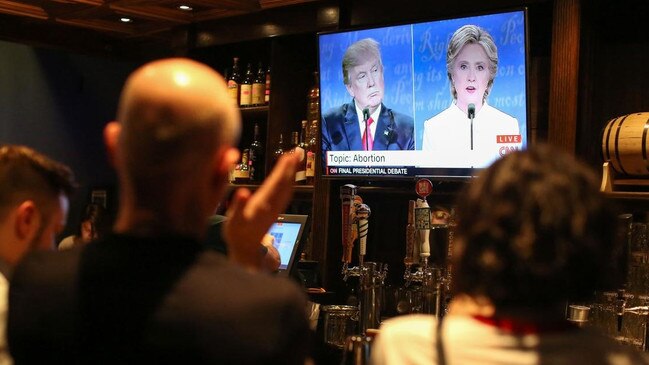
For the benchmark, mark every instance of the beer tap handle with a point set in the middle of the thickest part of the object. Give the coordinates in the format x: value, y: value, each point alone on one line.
x: 620, y: 306
x: 347, y: 194
x: 408, y: 260
x: 362, y: 214
x: 422, y: 223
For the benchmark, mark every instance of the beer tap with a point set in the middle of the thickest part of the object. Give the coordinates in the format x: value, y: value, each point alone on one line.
x: 431, y: 275
x: 352, y: 204
x: 362, y: 214
x: 422, y: 224
x: 371, y: 274
x: 620, y: 307
x: 411, y: 241
x: 417, y: 234
x: 347, y: 196
x: 641, y: 310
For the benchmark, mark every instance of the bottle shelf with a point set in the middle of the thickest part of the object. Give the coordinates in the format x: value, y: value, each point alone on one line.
x: 297, y: 188
x: 251, y: 111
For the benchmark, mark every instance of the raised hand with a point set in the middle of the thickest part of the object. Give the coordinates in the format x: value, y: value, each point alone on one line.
x: 251, y: 215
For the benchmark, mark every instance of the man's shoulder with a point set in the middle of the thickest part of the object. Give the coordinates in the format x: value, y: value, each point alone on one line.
x: 399, y: 117
x: 337, y: 111
x: 49, y: 265
x: 257, y: 285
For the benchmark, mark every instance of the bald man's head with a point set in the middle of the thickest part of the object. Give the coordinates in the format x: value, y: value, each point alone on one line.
x: 174, y: 114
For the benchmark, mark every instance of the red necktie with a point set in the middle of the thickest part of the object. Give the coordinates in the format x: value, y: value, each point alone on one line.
x: 368, y: 141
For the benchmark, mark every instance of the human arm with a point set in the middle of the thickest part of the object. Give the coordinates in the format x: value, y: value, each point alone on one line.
x: 251, y: 215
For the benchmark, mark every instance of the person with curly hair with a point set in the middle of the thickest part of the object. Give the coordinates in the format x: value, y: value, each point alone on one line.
x: 533, y: 232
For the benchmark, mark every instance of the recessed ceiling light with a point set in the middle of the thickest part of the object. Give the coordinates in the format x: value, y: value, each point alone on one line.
x: 185, y: 7
x: 125, y: 20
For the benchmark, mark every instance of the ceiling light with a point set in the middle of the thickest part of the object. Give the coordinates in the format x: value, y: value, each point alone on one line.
x: 185, y: 7
x: 125, y: 20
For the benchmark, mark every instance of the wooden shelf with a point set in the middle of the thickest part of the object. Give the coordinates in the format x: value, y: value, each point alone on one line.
x: 623, y: 187
x: 254, y: 111
x: 301, y: 189
x: 627, y: 195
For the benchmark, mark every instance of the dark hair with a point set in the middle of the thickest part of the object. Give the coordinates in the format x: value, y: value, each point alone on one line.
x: 97, y: 216
x: 25, y: 173
x: 533, y: 230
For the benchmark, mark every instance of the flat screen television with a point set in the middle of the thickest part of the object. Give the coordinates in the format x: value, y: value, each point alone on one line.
x: 441, y: 99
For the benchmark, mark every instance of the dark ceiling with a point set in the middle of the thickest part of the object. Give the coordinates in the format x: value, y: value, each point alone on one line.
x: 160, y: 28
x: 130, y: 26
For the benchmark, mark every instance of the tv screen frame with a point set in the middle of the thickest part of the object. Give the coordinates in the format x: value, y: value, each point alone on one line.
x: 417, y: 89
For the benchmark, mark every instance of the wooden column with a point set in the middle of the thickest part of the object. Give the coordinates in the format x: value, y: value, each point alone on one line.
x: 564, y: 74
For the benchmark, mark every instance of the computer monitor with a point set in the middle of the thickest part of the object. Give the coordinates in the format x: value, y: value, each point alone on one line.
x: 287, y: 231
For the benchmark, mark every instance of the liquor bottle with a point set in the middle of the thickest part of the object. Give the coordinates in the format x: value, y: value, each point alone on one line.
x: 267, y: 90
x: 259, y: 87
x: 233, y: 81
x: 256, y: 157
x: 313, y: 100
x: 245, y: 89
x: 300, y: 174
x: 312, y: 147
x: 280, y: 149
x: 242, y: 170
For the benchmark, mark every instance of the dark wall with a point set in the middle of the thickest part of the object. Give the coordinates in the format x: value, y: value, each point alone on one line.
x: 614, y: 68
x: 58, y: 103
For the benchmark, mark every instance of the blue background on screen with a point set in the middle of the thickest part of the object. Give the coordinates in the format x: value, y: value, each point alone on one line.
x: 285, y: 239
x: 432, y: 89
x: 421, y: 47
x: 396, y: 52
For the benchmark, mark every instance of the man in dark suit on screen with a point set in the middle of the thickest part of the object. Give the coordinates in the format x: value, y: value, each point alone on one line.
x: 150, y: 292
x: 344, y: 128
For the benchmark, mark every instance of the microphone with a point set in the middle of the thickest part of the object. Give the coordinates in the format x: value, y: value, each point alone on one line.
x: 471, y: 111
x: 366, y: 116
x: 471, y: 115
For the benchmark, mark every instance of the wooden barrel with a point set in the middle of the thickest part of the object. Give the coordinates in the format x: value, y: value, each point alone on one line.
x: 625, y: 144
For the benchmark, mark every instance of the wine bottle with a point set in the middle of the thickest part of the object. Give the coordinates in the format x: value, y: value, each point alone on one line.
x: 300, y: 174
x: 313, y: 99
x: 267, y: 90
x: 280, y: 149
x: 312, y: 146
x: 245, y: 89
x: 242, y: 170
x: 233, y: 81
x: 259, y: 87
x: 256, y: 158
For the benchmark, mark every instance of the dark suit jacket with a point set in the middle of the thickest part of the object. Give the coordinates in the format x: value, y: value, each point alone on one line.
x: 127, y: 300
x: 340, y: 131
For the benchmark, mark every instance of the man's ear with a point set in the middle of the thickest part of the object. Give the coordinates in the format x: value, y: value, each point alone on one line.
x: 111, y: 135
x: 223, y: 161
x: 349, y: 90
x: 226, y: 158
x: 28, y: 221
